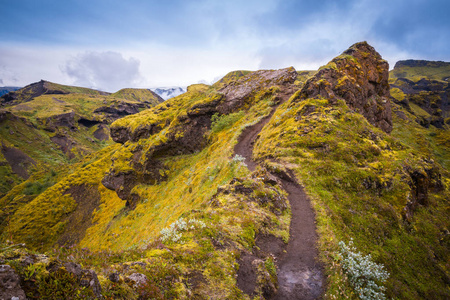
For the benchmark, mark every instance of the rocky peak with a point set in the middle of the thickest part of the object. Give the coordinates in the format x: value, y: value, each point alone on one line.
x: 359, y: 77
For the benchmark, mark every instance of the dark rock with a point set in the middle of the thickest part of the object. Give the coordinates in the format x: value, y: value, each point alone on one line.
x: 114, y: 277
x: 73, y: 268
x: 89, y: 279
x: 102, y: 133
x: 122, y: 182
x: 65, y: 144
x: 62, y: 120
x: 120, y: 110
x: 10, y: 284
x: 421, y: 182
x: 360, y: 77
x: 18, y: 160
x: 88, y: 123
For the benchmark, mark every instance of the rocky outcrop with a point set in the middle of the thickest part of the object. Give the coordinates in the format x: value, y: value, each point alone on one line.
x: 359, y: 77
x: 10, y: 284
x: 65, y: 143
x: 422, y: 182
x: 56, y: 121
x: 238, y: 92
x: 119, y: 110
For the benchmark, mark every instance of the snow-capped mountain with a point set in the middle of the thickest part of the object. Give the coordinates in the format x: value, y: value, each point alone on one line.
x: 169, y: 92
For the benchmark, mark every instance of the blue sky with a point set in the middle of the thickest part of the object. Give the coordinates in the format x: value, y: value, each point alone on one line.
x: 143, y: 43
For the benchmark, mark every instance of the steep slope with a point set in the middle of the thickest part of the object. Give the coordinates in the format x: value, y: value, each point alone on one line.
x: 177, y: 209
x: 365, y: 185
x: 422, y: 88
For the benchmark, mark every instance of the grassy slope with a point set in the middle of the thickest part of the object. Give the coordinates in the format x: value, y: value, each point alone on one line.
x: 357, y: 177
x: 355, y: 174
x: 27, y: 132
x: 193, y: 182
x: 428, y: 70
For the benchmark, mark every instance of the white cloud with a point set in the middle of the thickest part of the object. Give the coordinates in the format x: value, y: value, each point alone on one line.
x: 108, y: 71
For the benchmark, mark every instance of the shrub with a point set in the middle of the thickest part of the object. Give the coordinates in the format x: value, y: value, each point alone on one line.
x: 219, y: 123
x: 174, y: 232
x: 365, y: 276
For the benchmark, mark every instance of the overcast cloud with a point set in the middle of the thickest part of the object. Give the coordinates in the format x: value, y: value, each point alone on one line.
x: 111, y: 44
x: 103, y: 70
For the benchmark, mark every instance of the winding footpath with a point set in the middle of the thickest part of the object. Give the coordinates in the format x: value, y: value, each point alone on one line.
x: 300, y: 275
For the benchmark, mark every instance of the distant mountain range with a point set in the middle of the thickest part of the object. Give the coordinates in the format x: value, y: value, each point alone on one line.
x: 163, y: 92
x: 169, y: 92
x: 6, y: 89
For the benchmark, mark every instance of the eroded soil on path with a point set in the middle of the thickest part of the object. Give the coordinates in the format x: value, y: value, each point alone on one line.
x: 300, y: 275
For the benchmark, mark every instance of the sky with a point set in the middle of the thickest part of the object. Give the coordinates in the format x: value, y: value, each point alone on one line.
x: 109, y: 44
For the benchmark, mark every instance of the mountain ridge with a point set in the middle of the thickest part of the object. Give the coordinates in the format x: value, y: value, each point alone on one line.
x: 172, y: 211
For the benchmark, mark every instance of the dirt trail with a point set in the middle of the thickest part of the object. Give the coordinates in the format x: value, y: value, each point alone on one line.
x: 300, y: 276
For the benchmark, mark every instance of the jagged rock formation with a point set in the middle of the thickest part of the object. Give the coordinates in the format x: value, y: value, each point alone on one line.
x: 360, y: 77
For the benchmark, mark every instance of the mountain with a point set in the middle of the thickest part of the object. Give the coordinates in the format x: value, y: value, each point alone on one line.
x: 267, y: 184
x: 6, y: 89
x: 47, y: 124
x: 422, y: 87
x: 169, y: 92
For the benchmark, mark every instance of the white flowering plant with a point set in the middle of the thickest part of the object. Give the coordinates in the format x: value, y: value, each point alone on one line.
x: 174, y: 232
x: 365, y: 276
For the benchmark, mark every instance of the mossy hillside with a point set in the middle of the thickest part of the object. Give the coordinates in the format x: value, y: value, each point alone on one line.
x: 422, y: 88
x: 229, y: 78
x: 164, y: 112
x: 198, y: 188
x: 419, y: 69
x: 194, y: 177
x: 139, y: 95
x: 40, y: 222
x: 431, y: 142
x: 48, y: 123
x: 46, y: 106
x: 359, y: 181
x: 36, y: 143
x: 191, y: 180
x: 9, y: 178
x: 198, y: 259
x: 303, y: 76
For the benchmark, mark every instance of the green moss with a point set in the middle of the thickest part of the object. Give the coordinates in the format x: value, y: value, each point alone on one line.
x: 355, y: 175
